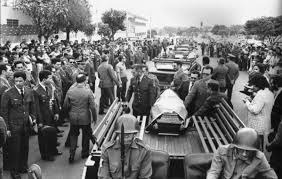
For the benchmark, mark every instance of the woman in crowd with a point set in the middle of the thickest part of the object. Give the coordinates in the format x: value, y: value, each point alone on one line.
x: 259, y: 108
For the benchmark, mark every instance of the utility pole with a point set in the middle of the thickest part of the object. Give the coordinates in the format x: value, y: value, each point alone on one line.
x: 150, y: 27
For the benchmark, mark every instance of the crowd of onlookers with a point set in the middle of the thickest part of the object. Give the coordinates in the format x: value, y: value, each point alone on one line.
x: 200, y: 91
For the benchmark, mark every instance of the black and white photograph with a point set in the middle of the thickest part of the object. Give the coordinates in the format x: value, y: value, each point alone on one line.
x: 140, y: 89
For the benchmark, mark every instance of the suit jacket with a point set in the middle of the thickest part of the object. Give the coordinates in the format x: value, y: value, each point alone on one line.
x: 197, y: 96
x: 183, y: 90
x: 143, y: 94
x: 90, y: 70
x: 276, y: 112
x: 220, y: 72
x: 16, y: 111
x: 233, y: 71
x: 78, y: 103
x: 44, y: 114
x: 107, y: 75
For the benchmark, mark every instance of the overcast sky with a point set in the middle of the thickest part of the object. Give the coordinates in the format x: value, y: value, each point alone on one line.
x: 192, y: 12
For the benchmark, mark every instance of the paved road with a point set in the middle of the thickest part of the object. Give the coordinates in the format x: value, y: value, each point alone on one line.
x: 61, y: 169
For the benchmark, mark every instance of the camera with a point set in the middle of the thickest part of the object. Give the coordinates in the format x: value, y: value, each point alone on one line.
x: 248, y: 90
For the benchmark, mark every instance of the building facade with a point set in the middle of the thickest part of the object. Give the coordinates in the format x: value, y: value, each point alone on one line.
x: 15, y: 25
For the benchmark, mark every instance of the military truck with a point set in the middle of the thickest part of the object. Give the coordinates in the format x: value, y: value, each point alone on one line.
x: 170, y: 135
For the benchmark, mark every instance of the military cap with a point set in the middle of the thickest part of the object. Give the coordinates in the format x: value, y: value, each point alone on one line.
x: 129, y: 122
x: 247, y: 139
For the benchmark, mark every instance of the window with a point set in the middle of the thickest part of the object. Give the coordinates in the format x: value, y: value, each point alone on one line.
x: 13, y: 22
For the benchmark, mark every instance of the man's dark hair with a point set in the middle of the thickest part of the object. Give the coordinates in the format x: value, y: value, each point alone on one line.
x: 206, y: 60
x: 259, y: 81
x: 18, y: 74
x: 2, y: 67
x: 179, y: 63
x: 18, y: 62
x: 120, y: 58
x: 80, y: 78
x: 208, y: 68
x: 104, y: 58
x: 261, y: 67
x: 221, y: 61
x: 44, y: 75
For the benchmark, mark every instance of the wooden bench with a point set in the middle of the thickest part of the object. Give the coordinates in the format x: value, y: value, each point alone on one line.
x: 219, y: 129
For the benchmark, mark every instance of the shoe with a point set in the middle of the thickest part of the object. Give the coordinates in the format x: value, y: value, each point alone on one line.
x: 58, y: 143
x: 60, y: 135
x: 71, y: 159
x: 84, y: 156
x: 58, y: 153
x: 49, y: 158
x: 101, y: 113
x: 15, y: 175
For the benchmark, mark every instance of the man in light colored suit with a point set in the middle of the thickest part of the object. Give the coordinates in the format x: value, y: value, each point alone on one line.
x: 108, y: 80
x: 80, y: 105
x: 199, y: 92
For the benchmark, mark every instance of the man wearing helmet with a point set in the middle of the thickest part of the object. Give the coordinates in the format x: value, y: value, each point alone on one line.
x: 241, y: 159
x: 137, y: 157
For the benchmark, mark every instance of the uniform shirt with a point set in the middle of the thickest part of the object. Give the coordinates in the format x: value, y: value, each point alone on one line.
x: 225, y: 165
x: 137, y: 162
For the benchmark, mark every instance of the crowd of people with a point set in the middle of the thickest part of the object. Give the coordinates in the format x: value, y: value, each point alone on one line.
x: 48, y: 84
x: 43, y: 84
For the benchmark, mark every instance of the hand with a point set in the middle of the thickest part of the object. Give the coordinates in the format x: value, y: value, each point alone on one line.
x: 9, y: 133
x: 56, y: 117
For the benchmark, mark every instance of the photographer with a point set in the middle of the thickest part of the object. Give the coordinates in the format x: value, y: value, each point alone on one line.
x: 259, y: 108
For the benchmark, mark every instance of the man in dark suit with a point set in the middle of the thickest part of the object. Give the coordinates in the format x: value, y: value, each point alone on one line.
x: 276, y: 113
x: 186, y: 86
x: 233, y: 74
x: 108, y: 80
x: 18, y: 111
x: 47, y: 112
x: 80, y: 105
x: 142, y: 87
x: 199, y: 92
x: 215, y: 98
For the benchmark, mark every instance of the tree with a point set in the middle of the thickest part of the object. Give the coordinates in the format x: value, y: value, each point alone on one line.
x: 89, y: 30
x: 266, y: 28
x: 44, y: 14
x: 104, y: 30
x: 115, y: 21
x: 236, y: 29
x: 76, y: 17
x: 221, y: 30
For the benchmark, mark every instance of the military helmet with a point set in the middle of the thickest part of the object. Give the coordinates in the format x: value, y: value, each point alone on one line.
x: 34, y: 172
x: 129, y: 122
x: 247, y: 139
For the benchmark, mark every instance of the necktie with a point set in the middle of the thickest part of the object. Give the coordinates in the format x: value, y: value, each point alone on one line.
x: 22, y: 95
x: 46, y: 91
x: 138, y: 80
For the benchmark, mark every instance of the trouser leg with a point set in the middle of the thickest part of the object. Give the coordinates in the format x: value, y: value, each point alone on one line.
x: 24, y: 149
x: 103, y: 99
x: 123, y: 88
x: 42, y: 148
x: 74, y: 132
x: 86, y: 134
x: 229, y: 92
x: 14, y: 152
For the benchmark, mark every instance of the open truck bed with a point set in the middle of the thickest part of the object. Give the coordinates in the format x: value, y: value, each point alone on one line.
x: 204, y: 136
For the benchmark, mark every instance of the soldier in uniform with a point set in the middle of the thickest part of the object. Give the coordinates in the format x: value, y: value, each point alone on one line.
x: 136, y: 162
x: 18, y: 111
x: 143, y: 88
x: 47, y: 113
